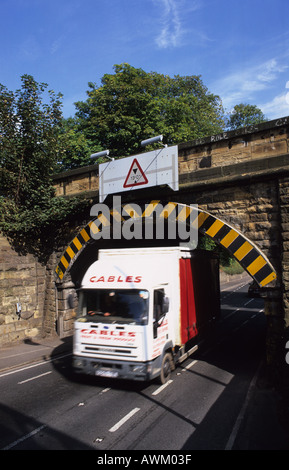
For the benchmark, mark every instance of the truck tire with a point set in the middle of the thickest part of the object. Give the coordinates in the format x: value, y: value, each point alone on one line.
x: 166, y: 368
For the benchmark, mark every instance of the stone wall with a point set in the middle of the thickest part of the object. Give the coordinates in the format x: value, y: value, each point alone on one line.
x: 22, y: 280
x: 284, y: 210
x: 253, y: 209
x: 77, y: 181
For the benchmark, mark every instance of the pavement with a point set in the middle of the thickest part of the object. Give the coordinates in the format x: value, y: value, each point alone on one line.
x: 33, y: 350
x: 263, y: 422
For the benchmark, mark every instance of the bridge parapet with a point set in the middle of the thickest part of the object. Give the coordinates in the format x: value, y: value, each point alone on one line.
x: 249, y: 143
x: 246, y: 150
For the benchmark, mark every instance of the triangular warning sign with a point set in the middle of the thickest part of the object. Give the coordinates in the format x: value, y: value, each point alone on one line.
x: 136, y: 176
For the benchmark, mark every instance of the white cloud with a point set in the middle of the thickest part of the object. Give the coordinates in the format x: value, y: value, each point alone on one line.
x: 277, y: 107
x: 269, y: 71
x: 55, y: 45
x: 171, y: 30
x: 172, y: 21
x: 244, y: 84
x: 30, y: 48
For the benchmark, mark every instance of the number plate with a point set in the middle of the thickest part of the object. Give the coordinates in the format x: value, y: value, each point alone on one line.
x: 106, y: 373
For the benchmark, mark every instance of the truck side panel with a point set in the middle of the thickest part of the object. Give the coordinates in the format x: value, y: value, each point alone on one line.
x: 188, y: 323
x: 199, y: 294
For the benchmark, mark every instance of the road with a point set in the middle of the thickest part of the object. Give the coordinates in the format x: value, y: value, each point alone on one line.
x: 43, y: 406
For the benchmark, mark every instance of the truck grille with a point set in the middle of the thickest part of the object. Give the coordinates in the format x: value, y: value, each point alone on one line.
x: 108, y: 351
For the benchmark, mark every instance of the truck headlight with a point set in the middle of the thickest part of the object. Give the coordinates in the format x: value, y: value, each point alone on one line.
x: 79, y: 363
x: 139, y: 369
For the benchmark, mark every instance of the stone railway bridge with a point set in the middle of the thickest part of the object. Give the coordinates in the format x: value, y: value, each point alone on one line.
x: 240, y: 182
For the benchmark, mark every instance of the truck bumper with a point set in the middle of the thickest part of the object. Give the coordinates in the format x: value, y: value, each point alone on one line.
x: 116, y: 369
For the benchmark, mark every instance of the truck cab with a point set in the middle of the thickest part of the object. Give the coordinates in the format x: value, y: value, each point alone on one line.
x: 130, y: 323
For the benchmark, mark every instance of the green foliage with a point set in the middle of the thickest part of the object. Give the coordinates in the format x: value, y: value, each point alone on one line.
x: 28, y: 139
x: 132, y: 105
x: 206, y: 243
x: 233, y: 268
x: 245, y: 115
x: 76, y: 150
x: 30, y: 148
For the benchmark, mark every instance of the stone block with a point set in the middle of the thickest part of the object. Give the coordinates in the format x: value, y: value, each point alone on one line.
x: 285, y: 256
x: 259, y: 217
x: 16, y: 336
x: 265, y: 149
x: 6, y: 329
x: 286, y: 246
x: 31, y: 332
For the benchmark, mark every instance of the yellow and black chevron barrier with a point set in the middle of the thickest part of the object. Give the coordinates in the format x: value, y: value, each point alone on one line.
x: 247, y: 254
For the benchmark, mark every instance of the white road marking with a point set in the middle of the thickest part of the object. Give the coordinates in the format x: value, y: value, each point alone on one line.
x: 160, y: 389
x: 124, y: 420
x: 241, y: 415
x: 32, y: 433
x: 26, y: 352
x: 34, y: 365
x: 34, y: 378
x: 190, y: 365
x: 235, y: 288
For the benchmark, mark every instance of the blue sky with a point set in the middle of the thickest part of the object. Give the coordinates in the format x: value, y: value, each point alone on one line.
x: 240, y: 48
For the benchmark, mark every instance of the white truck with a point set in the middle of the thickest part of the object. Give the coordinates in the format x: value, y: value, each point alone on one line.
x: 141, y: 311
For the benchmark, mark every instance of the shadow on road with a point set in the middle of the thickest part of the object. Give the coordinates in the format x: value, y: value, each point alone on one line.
x: 25, y: 433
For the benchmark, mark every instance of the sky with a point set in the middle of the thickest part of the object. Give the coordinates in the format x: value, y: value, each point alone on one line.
x: 239, y: 48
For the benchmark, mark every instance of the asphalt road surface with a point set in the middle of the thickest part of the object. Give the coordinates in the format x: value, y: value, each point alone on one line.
x: 44, y: 406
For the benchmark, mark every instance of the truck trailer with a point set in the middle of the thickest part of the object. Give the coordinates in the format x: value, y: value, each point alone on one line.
x: 142, y: 311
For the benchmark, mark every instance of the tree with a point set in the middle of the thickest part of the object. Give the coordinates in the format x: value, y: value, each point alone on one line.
x: 245, y: 115
x: 29, y: 151
x: 132, y: 105
x: 76, y: 149
x: 28, y: 139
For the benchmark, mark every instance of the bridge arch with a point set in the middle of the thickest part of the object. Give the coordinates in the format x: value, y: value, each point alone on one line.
x: 250, y: 256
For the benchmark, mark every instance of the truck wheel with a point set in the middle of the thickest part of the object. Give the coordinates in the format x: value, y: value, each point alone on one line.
x: 166, y: 369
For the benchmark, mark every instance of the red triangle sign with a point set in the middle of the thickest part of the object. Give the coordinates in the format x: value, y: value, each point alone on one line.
x: 136, y: 176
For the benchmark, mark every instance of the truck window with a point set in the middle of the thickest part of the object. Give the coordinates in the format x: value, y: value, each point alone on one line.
x: 159, y: 295
x: 114, y: 306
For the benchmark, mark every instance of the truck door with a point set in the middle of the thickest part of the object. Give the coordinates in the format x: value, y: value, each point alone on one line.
x: 160, y: 320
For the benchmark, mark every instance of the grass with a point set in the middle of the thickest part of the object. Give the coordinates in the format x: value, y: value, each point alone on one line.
x: 233, y: 268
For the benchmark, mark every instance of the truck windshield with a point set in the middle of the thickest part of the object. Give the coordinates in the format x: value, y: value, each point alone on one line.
x: 114, y: 306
